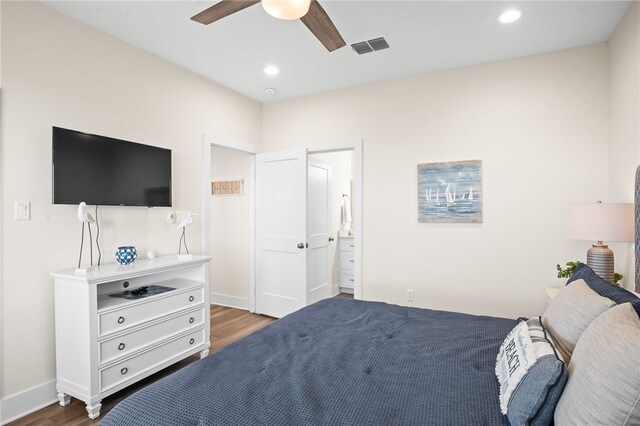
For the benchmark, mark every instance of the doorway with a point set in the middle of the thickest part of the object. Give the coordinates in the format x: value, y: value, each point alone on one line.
x: 229, y: 199
x: 210, y: 142
x: 341, y: 247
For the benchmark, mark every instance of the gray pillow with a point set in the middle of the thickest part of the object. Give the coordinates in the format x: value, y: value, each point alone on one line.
x: 571, y: 312
x: 604, y: 374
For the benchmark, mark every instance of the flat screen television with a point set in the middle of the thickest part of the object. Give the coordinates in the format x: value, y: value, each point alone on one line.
x: 109, y: 172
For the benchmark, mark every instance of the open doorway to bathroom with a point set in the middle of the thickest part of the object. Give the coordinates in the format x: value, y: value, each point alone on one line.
x: 342, y: 233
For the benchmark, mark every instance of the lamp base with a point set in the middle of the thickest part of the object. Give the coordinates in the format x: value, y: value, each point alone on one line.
x: 600, y: 259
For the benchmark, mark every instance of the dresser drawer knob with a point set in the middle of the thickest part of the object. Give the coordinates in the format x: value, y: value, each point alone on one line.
x: 121, y: 346
x: 192, y: 341
x: 125, y: 370
x: 191, y: 298
x: 352, y: 261
x: 351, y: 279
x: 191, y: 320
x: 120, y: 320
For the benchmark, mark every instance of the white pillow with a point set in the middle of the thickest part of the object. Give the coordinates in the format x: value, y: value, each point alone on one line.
x: 515, y: 357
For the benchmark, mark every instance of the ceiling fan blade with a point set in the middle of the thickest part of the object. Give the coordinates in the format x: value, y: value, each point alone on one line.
x: 322, y: 27
x: 222, y: 9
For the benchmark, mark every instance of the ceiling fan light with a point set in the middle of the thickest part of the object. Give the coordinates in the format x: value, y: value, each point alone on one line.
x: 286, y: 9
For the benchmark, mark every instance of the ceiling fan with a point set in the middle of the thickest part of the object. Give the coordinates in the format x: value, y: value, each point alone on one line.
x: 308, y: 11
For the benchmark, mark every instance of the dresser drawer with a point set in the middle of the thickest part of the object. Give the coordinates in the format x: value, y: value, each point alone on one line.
x: 347, y: 244
x: 346, y: 279
x: 128, y: 316
x: 130, y: 342
x: 347, y: 260
x: 132, y: 367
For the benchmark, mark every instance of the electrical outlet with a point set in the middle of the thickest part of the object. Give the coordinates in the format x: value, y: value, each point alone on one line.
x: 410, y: 294
x: 171, y: 217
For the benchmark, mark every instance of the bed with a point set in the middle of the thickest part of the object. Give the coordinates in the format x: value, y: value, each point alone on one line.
x: 351, y: 362
x: 338, y: 362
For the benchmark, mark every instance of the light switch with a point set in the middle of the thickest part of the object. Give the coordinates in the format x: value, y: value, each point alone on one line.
x: 22, y: 210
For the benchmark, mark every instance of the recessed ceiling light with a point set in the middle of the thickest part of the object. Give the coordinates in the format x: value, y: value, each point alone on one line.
x: 270, y: 91
x: 271, y: 70
x: 509, y: 16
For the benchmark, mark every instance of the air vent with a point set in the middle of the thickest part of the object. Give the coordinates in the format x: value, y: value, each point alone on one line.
x: 378, y: 43
x: 362, y: 47
x: 369, y: 46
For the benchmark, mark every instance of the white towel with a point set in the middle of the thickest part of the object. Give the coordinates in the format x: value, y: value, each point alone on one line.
x: 346, y: 212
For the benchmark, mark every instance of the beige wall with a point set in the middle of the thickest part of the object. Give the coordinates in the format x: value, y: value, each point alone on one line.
x: 57, y: 71
x: 540, y: 127
x: 230, y: 230
x: 624, y: 126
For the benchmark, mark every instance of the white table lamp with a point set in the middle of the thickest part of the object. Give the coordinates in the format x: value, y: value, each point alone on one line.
x: 600, y: 222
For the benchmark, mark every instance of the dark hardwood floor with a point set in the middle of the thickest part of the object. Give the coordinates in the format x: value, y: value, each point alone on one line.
x: 345, y: 295
x: 227, y: 325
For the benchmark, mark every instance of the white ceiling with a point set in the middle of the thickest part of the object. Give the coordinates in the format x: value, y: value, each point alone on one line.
x: 426, y: 36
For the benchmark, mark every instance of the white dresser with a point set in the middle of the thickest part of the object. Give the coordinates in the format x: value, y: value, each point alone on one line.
x: 104, y: 343
x: 346, y: 256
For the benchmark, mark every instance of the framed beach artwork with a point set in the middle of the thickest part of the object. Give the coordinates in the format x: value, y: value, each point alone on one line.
x: 450, y: 192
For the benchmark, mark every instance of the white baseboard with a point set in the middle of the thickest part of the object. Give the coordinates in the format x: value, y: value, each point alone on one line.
x: 230, y: 301
x: 20, y: 404
x: 335, y: 290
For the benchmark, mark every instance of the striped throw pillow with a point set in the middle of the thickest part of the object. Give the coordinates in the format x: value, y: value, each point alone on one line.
x: 531, y: 373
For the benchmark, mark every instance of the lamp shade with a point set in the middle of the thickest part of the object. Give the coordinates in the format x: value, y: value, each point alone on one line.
x: 600, y: 222
x: 286, y: 9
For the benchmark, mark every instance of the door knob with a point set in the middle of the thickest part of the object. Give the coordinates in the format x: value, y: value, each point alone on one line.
x: 331, y: 239
x: 301, y: 246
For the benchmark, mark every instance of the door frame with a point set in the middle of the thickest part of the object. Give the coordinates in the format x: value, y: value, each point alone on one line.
x: 210, y: 141
x: 354, y: 145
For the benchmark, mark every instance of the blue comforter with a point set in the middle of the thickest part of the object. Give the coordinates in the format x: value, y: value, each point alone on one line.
x: 337, y: 362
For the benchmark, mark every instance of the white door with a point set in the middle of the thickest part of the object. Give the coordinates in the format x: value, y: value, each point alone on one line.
x: 292, y: 231
x: 318, y: 230
x: 281, y: 223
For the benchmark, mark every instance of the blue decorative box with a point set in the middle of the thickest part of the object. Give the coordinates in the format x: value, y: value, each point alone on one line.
x: 126, y: 255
